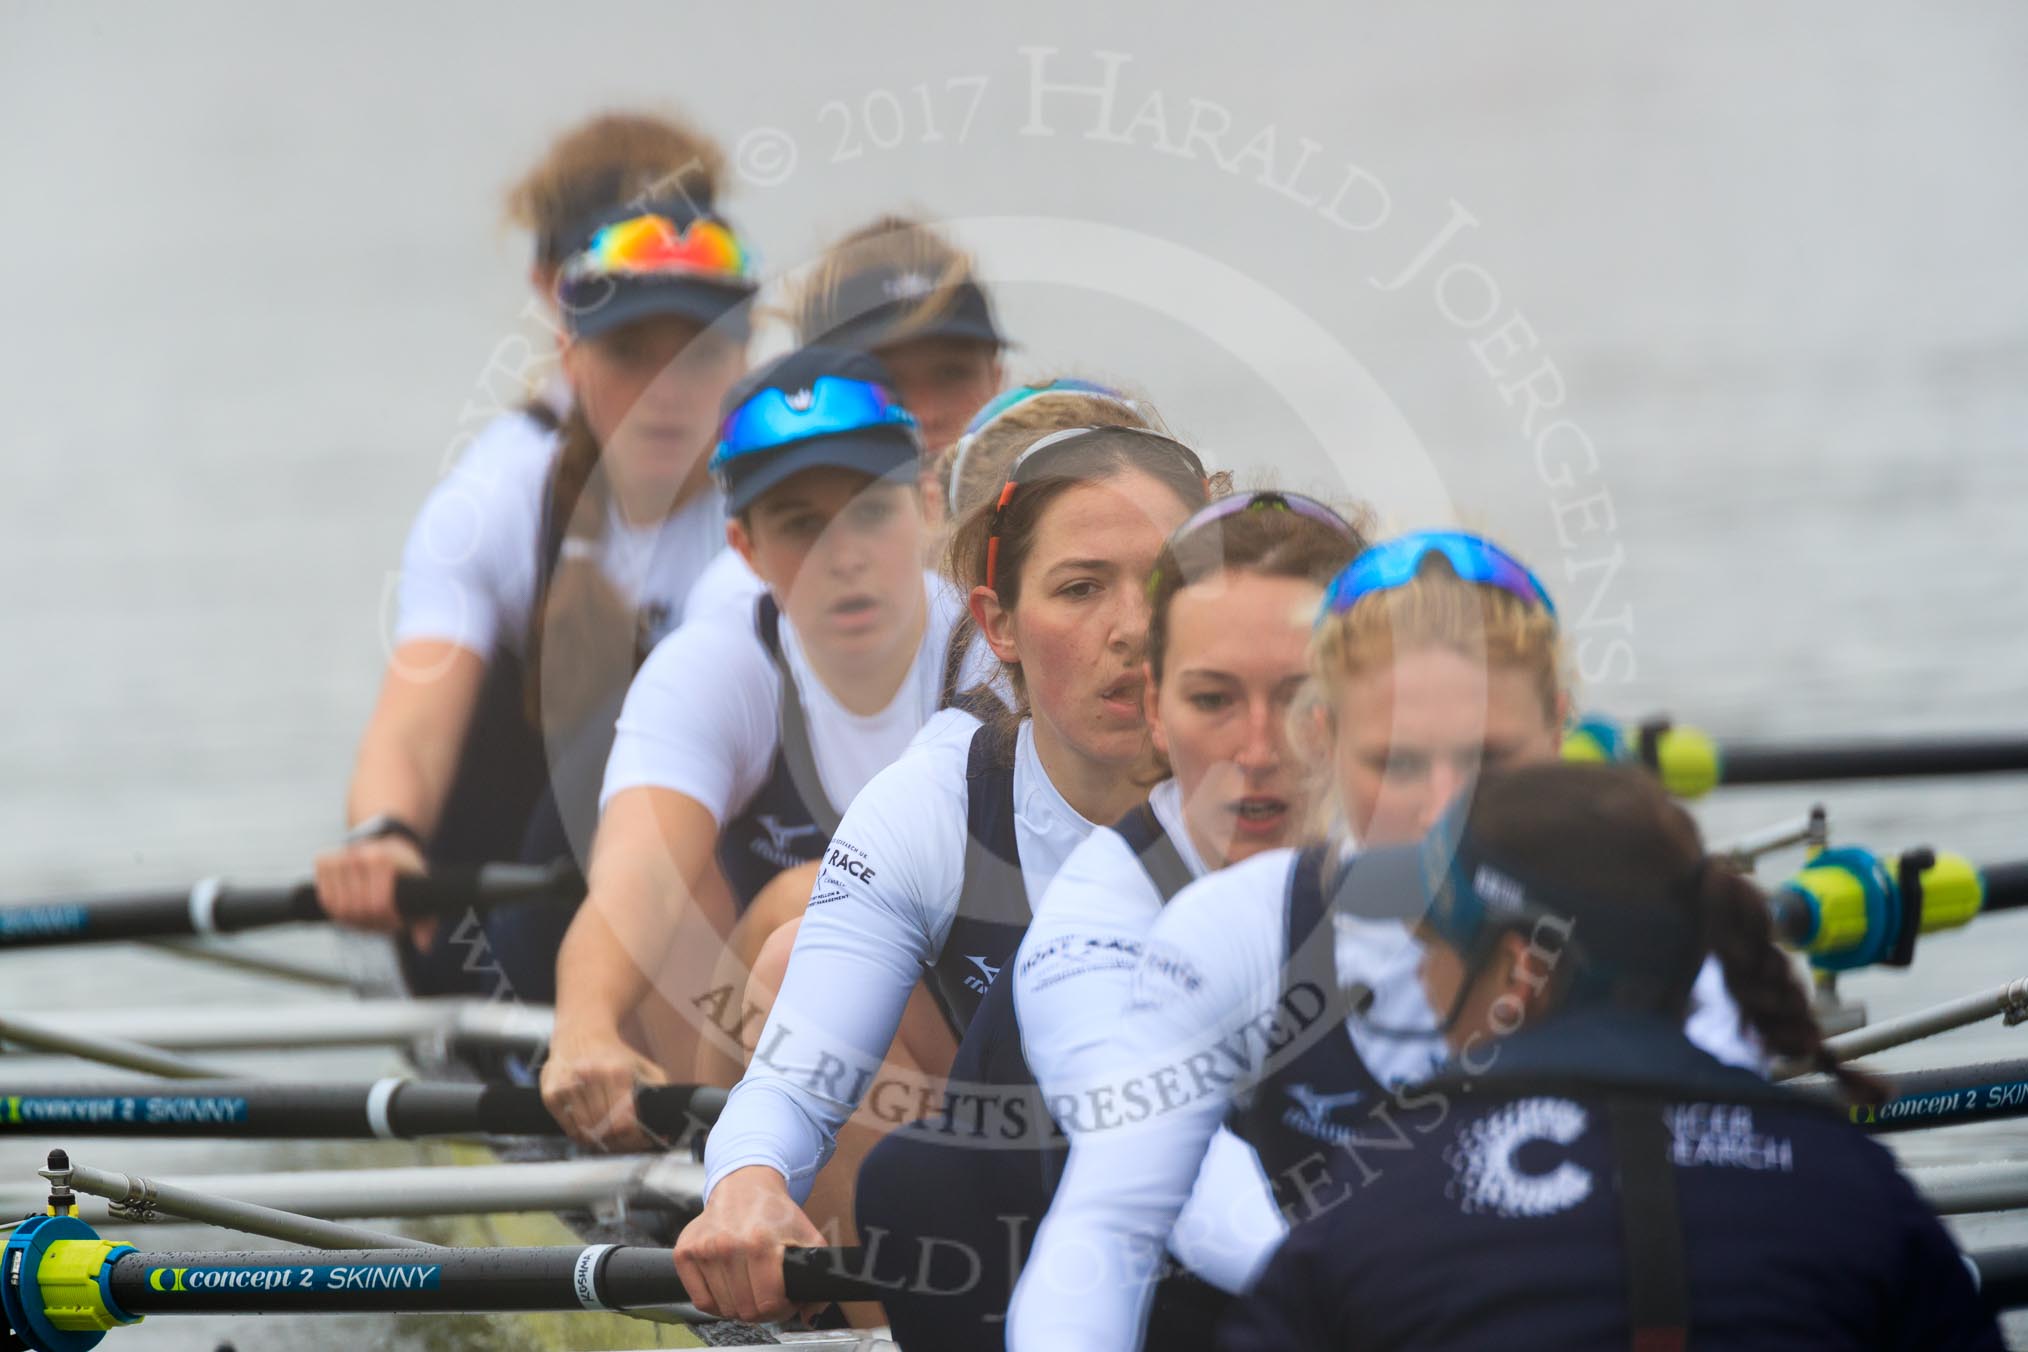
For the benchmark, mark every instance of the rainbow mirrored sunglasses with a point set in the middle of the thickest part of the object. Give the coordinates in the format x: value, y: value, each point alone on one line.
x: 651, y: 245
x: 1008, y: 400
x: 771, y: 418
x: 1237, y: 504
x: 1025, y: 468
x: 1394, y: 563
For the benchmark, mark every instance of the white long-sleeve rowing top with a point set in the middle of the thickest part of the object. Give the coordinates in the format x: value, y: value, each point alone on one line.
x: 879, y: 913
x: 1071, y: 977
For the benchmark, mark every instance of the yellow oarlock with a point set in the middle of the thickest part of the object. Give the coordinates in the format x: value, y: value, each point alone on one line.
x: 1953, y: 891
x: 1850, y: 891
x: 1687, y: 761
x: 73, y: 1298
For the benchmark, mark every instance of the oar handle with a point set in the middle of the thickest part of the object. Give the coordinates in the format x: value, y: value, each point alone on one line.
x: 452, y: 891
x: 827, y: 1274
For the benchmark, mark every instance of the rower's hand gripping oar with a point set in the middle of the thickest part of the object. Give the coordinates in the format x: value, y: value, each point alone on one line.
x: 215, y: 907
x: 1691, y: 763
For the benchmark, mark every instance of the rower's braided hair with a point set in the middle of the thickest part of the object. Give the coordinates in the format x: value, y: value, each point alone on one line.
x: 1763, y: 981
x: 1614, y: 832
x: 584, y: 639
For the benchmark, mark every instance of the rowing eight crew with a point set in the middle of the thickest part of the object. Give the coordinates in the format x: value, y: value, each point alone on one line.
x: 1434, y: 658
x: 816, y: 682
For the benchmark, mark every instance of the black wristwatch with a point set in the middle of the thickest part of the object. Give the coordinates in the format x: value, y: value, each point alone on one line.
x: 385, y: 824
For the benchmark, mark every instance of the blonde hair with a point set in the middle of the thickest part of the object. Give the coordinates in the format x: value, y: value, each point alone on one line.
x: 898, y: 244
x: 604, y: 161
x: 1437, y: 609
x: 1434, y: 609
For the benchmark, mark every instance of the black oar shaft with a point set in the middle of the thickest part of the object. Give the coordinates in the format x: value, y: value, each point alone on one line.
x: 2006, y: 886
x: 1991, y: 1091
x: 387, y: 1109
x: 1899, y: 759
x: 217, y: 908
x: 2003, y: 1277
x: 321, y: 1281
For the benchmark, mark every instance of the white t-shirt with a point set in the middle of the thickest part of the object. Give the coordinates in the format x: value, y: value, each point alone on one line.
x: 1071, y: 977
x: 726, y: 589
x: 468, y: 571
x: 880, y: 912
x: 703, y: 716
x: 1212, y: 963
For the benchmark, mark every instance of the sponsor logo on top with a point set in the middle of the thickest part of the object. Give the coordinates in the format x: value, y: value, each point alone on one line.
x: 778, y: 848
x: 983, y: 978
x: 1486, y: 1178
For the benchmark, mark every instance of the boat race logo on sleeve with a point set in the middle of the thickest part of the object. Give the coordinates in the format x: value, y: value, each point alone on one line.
x: 846, y: 862
x: 1486, y: 1173
x: 1162, y: 975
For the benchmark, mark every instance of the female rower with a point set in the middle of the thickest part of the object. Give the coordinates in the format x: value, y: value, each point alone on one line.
x: 1231, y: 600
x: 896, y: 287
x: 756, y: 954
x: 899, y: 289
x: 933, y: 866
x: 744, y: 740
x: 1435, y: 655
x: 563, y: 543
x: 1590, y: 1192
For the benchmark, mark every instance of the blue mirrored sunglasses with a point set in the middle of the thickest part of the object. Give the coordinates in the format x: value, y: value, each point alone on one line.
x: 773, y: 418
x: 1394, y: 563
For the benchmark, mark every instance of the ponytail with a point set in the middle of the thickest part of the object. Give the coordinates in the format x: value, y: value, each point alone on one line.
x: 582, y: 639
x: 1763, y: 983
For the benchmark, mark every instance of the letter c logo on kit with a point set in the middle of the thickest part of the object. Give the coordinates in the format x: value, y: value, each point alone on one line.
x: 155, y: 1279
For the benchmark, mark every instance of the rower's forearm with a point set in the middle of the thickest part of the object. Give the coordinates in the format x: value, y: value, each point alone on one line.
x: 388, y: 780
x: 598, y: 981
x: 409, y: 752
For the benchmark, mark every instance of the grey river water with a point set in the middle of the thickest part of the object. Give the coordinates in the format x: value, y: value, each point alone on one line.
x: 256, y: 294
